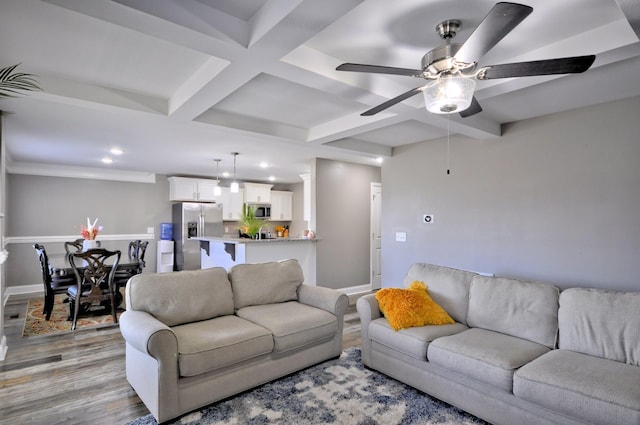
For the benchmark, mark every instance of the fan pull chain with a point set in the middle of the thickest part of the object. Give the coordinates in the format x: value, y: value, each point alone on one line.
x: 448, y: 135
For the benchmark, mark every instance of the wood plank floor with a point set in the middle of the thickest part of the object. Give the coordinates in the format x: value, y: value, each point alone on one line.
x: 79, y: 377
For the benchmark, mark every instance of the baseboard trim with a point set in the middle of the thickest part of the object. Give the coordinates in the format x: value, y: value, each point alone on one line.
x: 23, y: 290
x: 3, y: 348
x: 355, y: 292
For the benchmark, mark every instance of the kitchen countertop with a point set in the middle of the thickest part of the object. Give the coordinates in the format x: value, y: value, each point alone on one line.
x: 237, y: 240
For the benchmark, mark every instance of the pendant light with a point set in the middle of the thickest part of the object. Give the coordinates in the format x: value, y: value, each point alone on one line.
x: 235, y: 187
x: 217, y: 191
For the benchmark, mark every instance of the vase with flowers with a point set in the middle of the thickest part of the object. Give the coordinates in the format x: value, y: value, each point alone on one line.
x: 90, y: 233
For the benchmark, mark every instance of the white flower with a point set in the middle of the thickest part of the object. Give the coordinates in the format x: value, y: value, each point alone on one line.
x: 3, y: 255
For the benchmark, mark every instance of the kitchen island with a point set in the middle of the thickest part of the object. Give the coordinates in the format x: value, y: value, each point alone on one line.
x: 228, y: 251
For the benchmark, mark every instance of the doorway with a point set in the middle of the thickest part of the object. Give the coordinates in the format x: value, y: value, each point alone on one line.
x: 376, y: 236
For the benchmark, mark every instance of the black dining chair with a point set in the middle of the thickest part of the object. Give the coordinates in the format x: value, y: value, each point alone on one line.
x: 95, y: 287
x: 51, y: 286
x: 136, y: 251
x: 73, y: 246
x: 142, y: 248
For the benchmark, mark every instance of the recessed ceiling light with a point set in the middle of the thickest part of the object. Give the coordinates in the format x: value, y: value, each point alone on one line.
x: 107, y: 160
x: 379, y: 160
x: 264, y: 164
x: 272, y: 178
x: 116, y: 151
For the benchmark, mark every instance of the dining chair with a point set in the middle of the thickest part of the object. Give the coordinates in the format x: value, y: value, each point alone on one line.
x: 136, y: 251
x: 73, y: 246
x: 142, y: 248
x: 51, y: 286
x: 94, y: 282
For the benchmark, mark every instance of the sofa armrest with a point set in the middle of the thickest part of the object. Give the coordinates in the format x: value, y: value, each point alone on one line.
x: 331, y: 300
x: 368, y: 309
x: 147, y: 334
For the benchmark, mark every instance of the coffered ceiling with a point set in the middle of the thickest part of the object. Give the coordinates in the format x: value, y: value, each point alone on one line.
x: 176, y: 83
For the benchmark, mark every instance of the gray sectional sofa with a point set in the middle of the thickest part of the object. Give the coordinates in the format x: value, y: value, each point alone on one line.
x: 519, y: 352
x: 196, y: 337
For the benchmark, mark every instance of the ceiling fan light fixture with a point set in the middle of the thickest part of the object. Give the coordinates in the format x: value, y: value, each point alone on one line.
x: 449, y: 94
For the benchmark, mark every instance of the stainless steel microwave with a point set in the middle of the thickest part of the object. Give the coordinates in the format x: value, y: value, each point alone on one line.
x: 263, y: 211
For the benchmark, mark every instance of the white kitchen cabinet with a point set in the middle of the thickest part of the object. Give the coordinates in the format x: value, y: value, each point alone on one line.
x: 231, y: 204
x: 257, y: 193
x: 188, y: 189
x: 281, y: 205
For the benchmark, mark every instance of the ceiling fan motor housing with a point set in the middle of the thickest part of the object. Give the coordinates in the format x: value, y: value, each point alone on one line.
x: 439, y: 60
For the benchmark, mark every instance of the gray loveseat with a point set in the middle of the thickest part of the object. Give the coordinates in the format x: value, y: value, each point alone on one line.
x: 519, y: 352
x: 196, y: 337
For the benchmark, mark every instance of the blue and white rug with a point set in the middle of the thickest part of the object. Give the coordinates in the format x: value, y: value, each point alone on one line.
x: 339, y: 391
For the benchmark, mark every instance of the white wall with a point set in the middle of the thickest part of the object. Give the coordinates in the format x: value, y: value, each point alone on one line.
x: 555, y: 199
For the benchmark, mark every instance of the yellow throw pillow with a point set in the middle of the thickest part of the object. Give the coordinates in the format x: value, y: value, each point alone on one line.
x: 406, y: 308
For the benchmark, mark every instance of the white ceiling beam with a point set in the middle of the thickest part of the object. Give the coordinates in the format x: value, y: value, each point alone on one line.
x: 291, y: 31
x: 196, y: 16
x: 82, y: 94
x: 631, y: 10
x: 269, y: 15
x: 139, y: 21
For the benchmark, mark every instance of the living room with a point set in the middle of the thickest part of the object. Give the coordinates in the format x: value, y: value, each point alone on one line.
x: 544, y: 188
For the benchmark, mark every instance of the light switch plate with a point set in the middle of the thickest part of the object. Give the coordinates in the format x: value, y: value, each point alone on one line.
x: 149, y: 229
x: 401, y: 236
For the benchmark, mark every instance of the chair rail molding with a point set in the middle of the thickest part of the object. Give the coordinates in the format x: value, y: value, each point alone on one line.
x: 57, y: 238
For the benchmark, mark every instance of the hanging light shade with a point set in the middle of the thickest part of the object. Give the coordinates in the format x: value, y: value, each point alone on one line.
x: 217, y: 191
x: 235, y: 187
x: 449, y: 94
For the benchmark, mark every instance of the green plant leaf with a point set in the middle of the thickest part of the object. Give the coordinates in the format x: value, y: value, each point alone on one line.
x: 13, y: 83
x: 249, y: 220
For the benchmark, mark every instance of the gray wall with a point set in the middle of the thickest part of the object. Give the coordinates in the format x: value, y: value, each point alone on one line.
x: 342, y: 220
x: 55, y: 206
x: 555, y: 199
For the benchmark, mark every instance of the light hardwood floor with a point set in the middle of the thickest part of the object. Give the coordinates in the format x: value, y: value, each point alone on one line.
x: 78, y: 377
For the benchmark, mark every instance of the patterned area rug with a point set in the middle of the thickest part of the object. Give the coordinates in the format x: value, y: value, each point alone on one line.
x: 36, y: 325
x: 338, y: 391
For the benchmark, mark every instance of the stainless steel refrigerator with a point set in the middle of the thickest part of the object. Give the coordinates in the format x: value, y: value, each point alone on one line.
x: 190, y: 220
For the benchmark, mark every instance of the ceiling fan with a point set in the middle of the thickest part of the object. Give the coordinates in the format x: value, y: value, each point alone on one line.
x: 451, y: 71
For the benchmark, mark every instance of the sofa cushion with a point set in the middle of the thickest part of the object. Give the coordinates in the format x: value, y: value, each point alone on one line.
x: 593, y: 389
x: 601, y: 323
x: 405, y: 308
x: 265, y: 283
x: 293, y: 325
x: 447, y: 287
x: 527, y: 310
x: 411, y: 341
x: 486, y: 356
x: 181, y: 297
x: 213, y: 344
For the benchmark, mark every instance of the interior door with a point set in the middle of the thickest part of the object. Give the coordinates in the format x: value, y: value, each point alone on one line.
x: 376, y: 236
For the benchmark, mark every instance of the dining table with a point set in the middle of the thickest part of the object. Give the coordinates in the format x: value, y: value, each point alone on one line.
x: 62, y: 272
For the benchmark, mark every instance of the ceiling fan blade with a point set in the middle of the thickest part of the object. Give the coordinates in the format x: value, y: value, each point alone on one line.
x: 500, y: 21
x: 377, y: 69
x: 473, y: 109
x: 392, y: 102
x: 572, y: 65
